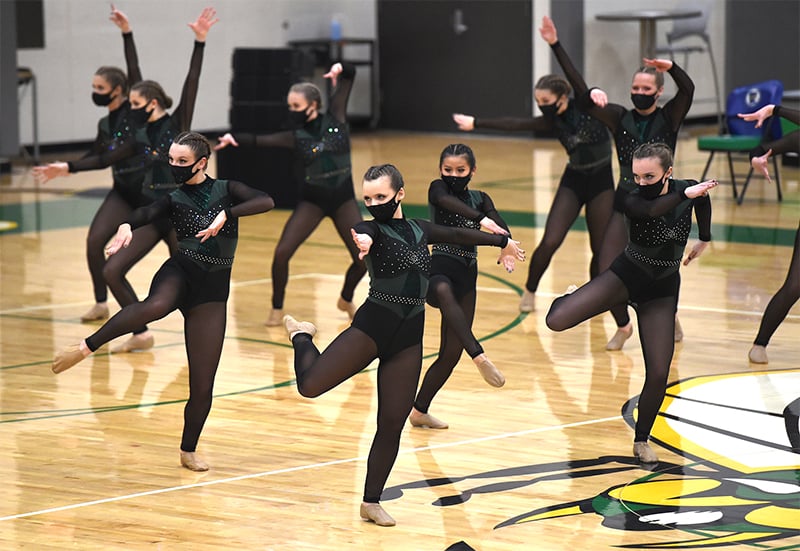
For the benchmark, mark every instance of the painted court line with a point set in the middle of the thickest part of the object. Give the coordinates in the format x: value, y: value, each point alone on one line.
x: 300, y: 468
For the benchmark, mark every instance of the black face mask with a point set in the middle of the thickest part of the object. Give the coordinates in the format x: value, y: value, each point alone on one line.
x: 297, y: 118
x: 652, y: 191
x: 385, y: 211
x: 138, y: 117
x: 101, y: 100
x: 643, y: 101
x: 183, y: 174
x: 549, y: 111
x: 457, y: 183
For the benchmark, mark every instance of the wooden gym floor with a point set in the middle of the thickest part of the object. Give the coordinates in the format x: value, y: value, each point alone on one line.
x: 89, y: 458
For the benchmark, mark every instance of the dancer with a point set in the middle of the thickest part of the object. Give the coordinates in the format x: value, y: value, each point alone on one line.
x: 453, y: 277
x: 195, y: 280
x: 587, y: 180
x: 646, y: 274
x: 783, y: 300
x: 389, y: 325
x: 322, y: 141
x: 646, y: 123
x: 141, y: 174
x: 113, y: 147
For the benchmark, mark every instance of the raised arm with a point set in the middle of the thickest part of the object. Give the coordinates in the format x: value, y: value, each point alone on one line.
x: 131, y: 57
x: 515, y: 124
x: 185, y: 111
x: 609, y: 114
x: 678, y: 107
x: 342, y: 76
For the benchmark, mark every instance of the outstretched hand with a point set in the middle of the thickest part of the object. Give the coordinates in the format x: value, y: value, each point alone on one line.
x: 548, y: 31
x: 121, y: 240
x: 45, y: 173
x: 660, y: 65
x: 363, y: 242
x: 120, y: 19
x: 599, y: 97
x: 333, y: 74
x: 203, y: 23
x: 492, y: 227
x: 696, y: 251
x: 225, y: 140
x: 762, y: 164
x: 759, y: 116
x: 214, y: 228
x: 700, y: 189
x: 464, y: 122
x: 510, y: 254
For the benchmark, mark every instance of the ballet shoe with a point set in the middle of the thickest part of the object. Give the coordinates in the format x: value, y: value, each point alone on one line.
x: 375, y: 513
x: 528, y: 301
x: 347, y: 306
x: 644, y: 453
x: 293, y: 327
x: 67, y: 357
x: 142, y: 341
x: 275, y: 317
x: 419, y: 419
x: 618, y: 340
x: 192, y: 462
x: 678, y: 330
x: 758, y: 354
x: 97, y: 312
x: 489, y: 371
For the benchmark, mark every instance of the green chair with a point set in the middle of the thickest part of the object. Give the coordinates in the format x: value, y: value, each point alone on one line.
x: 742, y: 136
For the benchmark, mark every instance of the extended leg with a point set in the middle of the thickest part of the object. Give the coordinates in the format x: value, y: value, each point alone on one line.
x: 595, y: 297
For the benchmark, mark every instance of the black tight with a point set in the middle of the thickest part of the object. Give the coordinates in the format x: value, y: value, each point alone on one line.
x: 118, y: 265
x: 349, y: 353
x: 783, y: 300
x: 112, y: 212
x: 456, y: 335
x: 563, y: 212
x: 656, y: 321
x: 615, y: 239
x: 204, y: 328
x: 302, y: 222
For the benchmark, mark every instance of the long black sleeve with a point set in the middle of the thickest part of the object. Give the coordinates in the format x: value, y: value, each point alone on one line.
x: 341, y: 94
x: 461, y: 236
x: 610, y: 115
x: 284, y: 138
x: 247, y: 200
x: 440, y: 197
x: 131, y: 59
x: 637, y: 206
x: 515, y: 124
x: 677, y: 108
x: 792, y: 115
x: 105, y: 158
x: 702, y: 211
x: 185, y: 111
x: 144, y: 215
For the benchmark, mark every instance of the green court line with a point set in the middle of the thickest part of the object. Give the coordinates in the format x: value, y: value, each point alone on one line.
x: 75, y: 212
x: 53, y: 414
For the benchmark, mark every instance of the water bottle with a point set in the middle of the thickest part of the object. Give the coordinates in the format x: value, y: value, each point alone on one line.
x: 336, y: 29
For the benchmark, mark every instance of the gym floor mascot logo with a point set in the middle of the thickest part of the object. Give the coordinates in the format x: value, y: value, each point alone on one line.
x: 742, y: 486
